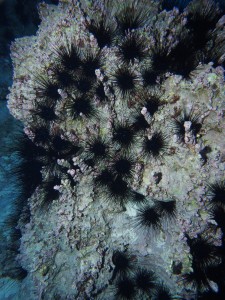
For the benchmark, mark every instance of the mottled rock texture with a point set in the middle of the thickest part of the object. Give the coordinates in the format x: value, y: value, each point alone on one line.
x: 125, y: 104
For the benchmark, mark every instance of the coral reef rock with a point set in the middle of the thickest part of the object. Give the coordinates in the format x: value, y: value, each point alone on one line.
x: 124, y: 101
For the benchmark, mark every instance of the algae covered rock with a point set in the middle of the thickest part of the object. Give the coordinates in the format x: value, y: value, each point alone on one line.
x: 122, y: 100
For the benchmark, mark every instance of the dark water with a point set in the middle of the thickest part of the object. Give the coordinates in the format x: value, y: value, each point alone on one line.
x: 18, y: 18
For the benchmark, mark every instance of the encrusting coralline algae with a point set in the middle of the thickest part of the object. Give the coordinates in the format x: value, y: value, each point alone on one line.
x: 125, y: 104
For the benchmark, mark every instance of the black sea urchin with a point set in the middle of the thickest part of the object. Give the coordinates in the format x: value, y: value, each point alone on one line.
x: 203, y: 252
x: 97, y: 149
x: 49, y: 192
x: 81, y: 106
x: 102, y: 31
x: 145, y: 281
x: 131, y: 17
x: 160, y: 61
x: 103, y: 179
x: 178, y: 124
x: 138, y: 198
x: 100, y: 86
x: 218, y: 214
x: 16, y: 273
x: 123, y: 262
x: 63, y: 78
x: 123, y: 166
x: 183, y: 59
x: 118, y: 191
x: 68, y: 57
x: 47, y: 89
x: 166, y: 209
x: 149, y: 77
x: 151, y: 102
x: 132, y: 47
x: 30, y: 164
x: 123, y: 135
x: 139, y: 123
x: 162, y: 293
x: 84, y: 84
x: 201, y: 19
x: 148, y: 218
x: 125, y: 81
x: 41, y: 134
x: 45, y: 112
x: 63, y: 148
x: 209, y: 295
x: 216, y: 193
x: 156, y: 146
x: 125, y: 289
x: 90, y: 63
x: 197, y: 279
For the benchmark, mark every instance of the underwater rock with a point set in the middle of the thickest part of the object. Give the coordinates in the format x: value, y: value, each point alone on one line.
x: 102, y: 139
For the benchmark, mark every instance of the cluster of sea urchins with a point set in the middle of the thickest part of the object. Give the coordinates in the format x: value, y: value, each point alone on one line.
x: 131, y: 280
x: 76, y: 87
